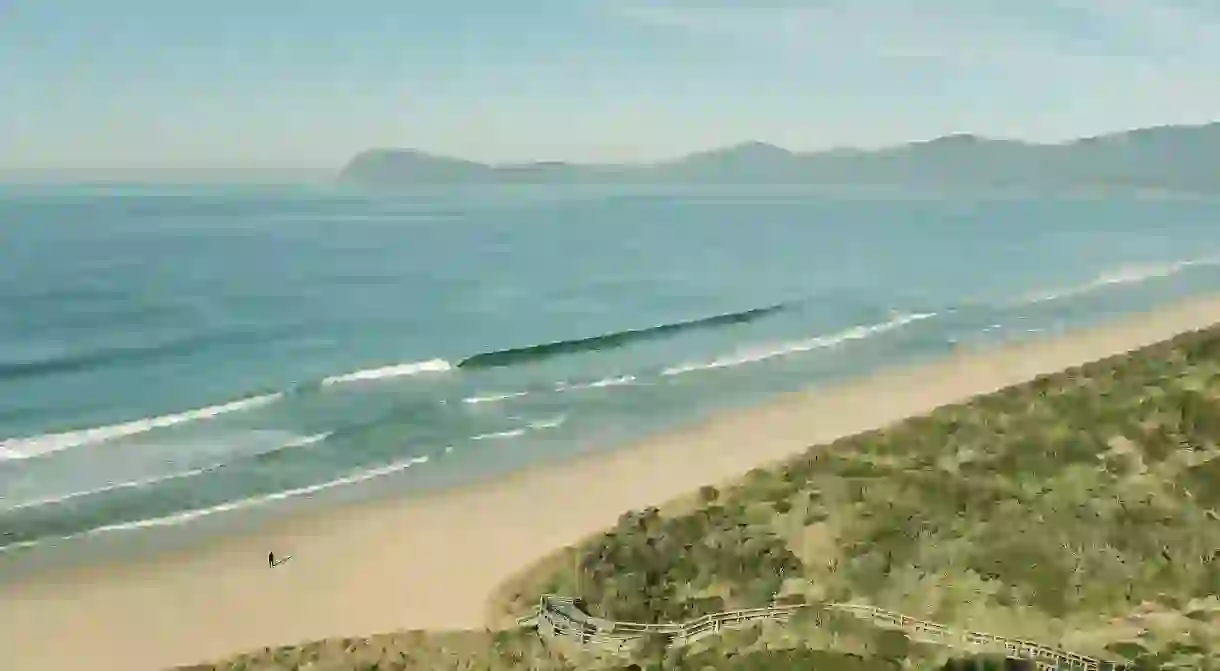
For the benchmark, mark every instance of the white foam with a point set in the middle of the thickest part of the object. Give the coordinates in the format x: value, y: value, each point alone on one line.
x: 189, y: 515
x: 305, y: 442
x: 143, y: 482
x: 499, y: 435
x: 820, y: 342
x: 599, y: 384
x: 491, y: 398
x: 1132, y: 274
x: 387, y: 372
x: 543, y: 424
x: 536, y: 425
x: 186, y: 516
x: 37, y: 446
x: 130, y: 484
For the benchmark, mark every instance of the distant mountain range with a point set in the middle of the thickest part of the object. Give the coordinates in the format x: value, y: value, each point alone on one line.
x: 1169, y: 158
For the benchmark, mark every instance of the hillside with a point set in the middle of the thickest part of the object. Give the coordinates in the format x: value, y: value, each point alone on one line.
x: 1170, y: 158
x: 1076, y: 510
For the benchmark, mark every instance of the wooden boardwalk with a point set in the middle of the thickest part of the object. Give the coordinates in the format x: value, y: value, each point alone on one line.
x: 559, y: 617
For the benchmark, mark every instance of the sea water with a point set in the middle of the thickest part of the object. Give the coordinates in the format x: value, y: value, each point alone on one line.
x: 176, y: 355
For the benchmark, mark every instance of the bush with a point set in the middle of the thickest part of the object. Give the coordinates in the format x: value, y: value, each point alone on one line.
x: 634, y: 572
x: 892, y: 644
x: 801, y: 659
x: 1020, y: 487
x: 791, y: 600
x: 989, y: 663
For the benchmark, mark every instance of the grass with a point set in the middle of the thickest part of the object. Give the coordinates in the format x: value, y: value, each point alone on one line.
x: 1077, y: 509
x: 401, y: 651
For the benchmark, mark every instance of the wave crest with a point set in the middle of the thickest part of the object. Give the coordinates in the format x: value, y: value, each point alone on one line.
x: 1132, y: 274
x: 49, y: 443
x: 167, y: 477
x: 819, y: 342
x: 517, y: 355
x: 388, y: 372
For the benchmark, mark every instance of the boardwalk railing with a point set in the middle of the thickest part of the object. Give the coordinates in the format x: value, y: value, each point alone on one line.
x: 560, y: 617
x: 931, y: 632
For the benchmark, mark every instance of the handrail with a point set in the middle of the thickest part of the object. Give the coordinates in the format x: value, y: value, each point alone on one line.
x: 553, y: 621
x: 1025, y: 649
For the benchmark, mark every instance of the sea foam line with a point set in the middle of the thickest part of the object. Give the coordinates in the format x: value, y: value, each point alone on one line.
x: 388, y: 372
x: 189, y: 515
x: 1131, y: 274
x: 491, y: 398
x: 37, y: 446
x: 144, y: 482
x: 553, y: 423
x: 855, y: 333
x: 598, y: 384
x: 559, y: 386
x: 130, y: 484
x: 500, y: 435
x: 537, y: 425
x: 28, y: 447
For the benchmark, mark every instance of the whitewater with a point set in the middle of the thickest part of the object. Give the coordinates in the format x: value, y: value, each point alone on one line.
x: 342, y: 346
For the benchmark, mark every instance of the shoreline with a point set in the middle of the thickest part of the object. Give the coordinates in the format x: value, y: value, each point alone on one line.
x: 433, y: 561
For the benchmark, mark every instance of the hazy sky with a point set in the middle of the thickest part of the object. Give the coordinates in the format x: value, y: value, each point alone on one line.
x: 304, y: 83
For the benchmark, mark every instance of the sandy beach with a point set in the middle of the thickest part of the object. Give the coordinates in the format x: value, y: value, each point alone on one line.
x: 432, y: 563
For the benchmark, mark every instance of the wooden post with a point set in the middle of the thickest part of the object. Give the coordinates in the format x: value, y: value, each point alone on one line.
x: 576, y: 571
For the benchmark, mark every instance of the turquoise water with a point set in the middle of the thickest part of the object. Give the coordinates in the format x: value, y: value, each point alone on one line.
x: 170, y: 355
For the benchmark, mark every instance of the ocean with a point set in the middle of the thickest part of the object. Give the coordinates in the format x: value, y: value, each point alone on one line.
x: 192, y: 358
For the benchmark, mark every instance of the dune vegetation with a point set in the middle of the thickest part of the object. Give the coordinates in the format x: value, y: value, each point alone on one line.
x: 1076, y: 510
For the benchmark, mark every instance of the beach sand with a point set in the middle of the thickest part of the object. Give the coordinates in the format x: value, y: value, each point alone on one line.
x: 432, y: 562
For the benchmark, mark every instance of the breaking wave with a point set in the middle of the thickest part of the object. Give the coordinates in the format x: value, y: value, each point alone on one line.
x: 37, y: 446
x: 157, y: 479
x: 819, y: 342
x: 1132, y: 274
x: 388, y: 372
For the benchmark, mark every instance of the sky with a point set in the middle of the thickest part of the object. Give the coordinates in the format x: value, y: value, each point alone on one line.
x: 304, y: 84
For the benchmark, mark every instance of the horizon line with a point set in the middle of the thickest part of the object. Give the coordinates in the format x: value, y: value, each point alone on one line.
x: 835, y: 149
x: 111, y: 173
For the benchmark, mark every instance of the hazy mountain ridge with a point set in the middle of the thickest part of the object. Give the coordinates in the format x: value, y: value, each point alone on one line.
x: 1173, y: 158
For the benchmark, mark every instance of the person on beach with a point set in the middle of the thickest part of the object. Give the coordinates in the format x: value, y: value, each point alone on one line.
x: 270, y: 560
